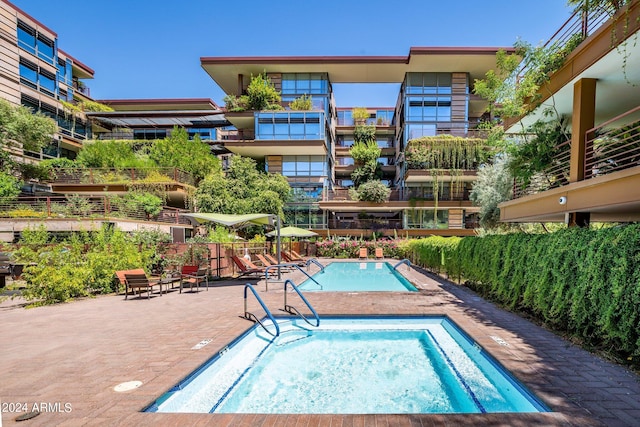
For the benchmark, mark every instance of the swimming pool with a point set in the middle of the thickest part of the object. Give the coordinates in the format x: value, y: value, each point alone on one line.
x: 357, y: 277
x: 355, y: 365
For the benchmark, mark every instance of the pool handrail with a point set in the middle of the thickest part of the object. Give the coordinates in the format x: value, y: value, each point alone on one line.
x: 253, y: 317
x: 293, y: 310
x: 266, y: 272
x: 404, y: 261
x: 316, y: 262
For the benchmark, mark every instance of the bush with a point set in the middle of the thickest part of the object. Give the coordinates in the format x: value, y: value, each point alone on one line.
x: 303, y: 103
x: 371, y: 191
x: 584, y: 282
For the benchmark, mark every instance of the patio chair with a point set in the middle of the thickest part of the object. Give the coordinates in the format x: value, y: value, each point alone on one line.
x: 264, y: 259
x: 364, y: 253
x: 245, y: 268
x: 137, y: 280
x: 379, y: 253
x: 192, y: 277
x: 296, y: 255
x: 292, y: 258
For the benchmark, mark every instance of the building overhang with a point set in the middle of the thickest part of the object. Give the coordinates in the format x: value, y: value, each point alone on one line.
x: 161, y: 104
x: 608, y: 198
x: 356, y: 69
x: 259, y: 149
x: 160, y: 119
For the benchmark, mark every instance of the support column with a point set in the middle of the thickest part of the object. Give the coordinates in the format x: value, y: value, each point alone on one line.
x: 240, y: 86
x: 584, y: 110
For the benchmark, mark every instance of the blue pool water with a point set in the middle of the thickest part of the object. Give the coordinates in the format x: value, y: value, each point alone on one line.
x: 351, y: 366
x: 358, y: 277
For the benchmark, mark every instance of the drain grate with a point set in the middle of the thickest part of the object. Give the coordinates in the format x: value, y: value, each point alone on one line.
x: 200, y: 344
x: 500, y: 341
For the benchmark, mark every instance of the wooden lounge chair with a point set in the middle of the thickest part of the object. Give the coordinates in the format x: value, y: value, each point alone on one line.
x: 246, y: 269
x: 137, y: 279
x: 379, y: 253
x: 296, y: 255
x: 272, y: 259
x: 364, y: 253
x: 192, y: 277
x: 269, y: 261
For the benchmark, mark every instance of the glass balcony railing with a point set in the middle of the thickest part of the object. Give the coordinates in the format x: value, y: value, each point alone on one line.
x: 289, y: 125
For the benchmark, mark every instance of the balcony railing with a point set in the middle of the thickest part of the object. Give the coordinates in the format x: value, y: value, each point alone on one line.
x: 342, y: 195
x: 556, y: 175
x: 580, y: 24
x: 122, y: 176
x: 89, y: 207
x: 367, y: 224
x: 612, y: 149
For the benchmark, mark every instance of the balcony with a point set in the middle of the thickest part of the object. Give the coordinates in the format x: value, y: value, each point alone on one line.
x: 101, y: 176
x: 609, y: 188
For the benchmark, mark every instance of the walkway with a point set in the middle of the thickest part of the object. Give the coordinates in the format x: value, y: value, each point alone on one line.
x: 67, y: 359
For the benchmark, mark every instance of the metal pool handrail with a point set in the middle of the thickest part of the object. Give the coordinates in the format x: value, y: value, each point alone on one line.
x: 266, y: 273
x: 404, y: 261
x: 251, y: 316
x: 293, y: 310
x: 316, y: 262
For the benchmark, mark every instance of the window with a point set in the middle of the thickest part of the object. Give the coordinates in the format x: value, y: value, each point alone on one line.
x: 304, y: 166
x: 28, y: 73
x: 26, y: 37
x: 289, y: 125
x: 45, y: 48
x: 427, y: 218
x: 428, y: 83
x: 149, y: 134
x: 305, y: 83
x: 428, y: 109
x: 344, y: 161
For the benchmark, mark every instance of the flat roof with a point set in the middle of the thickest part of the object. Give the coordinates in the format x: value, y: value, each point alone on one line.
x: 476, y: 61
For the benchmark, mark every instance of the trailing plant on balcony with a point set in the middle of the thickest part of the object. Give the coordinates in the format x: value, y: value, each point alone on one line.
x: 374, y: 191
x: 364, y: 152
x: 364, y: 133
x: 22, y: 127
x: 262, y: 95
x: 445, y: 152
x: 302, y: 103
x: 236, y: 104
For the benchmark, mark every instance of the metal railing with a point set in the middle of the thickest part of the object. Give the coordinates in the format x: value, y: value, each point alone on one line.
x: 580, y: 23
x: 609, y: 149
x: 89, y: 207
x: 291, y: 309
x: 404, y: 261
x: 316, y: 262
x: 369, y: 224
x: 121, y: 176
x: 556, y: 175
x: 250, y: 316
x: 279, y: 266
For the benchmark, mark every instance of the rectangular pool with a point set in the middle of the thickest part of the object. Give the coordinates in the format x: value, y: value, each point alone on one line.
x: 358, y: 277
x: 356, y: 365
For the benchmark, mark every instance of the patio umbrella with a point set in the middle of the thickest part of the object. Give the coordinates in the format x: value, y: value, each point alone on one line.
x: 293, y: 232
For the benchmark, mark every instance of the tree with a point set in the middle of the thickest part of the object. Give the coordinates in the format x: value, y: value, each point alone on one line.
x: 242, y: 190
x: 19, y: 125
x: 493, y: 186
x: 190, y: 155
x: 262, y: 95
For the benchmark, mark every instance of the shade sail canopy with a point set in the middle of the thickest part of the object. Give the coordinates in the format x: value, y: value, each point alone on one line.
x: 293, y: 232
x: 234, y: 221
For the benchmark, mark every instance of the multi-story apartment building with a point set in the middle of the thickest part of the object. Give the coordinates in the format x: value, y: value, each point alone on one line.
x: 35, y: 73
x: 595, y: 174
x: 311, y: 148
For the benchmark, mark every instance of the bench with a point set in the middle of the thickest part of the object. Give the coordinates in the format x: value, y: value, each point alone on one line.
x: 136, y: 279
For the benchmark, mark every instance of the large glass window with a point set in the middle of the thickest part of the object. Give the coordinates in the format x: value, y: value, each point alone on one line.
x: 305, y: 83
x: 45, y: 49
x: 427, y: 218
x: 428, y: 109
x: 304, y: 166
x: 289, y: 125
x: 28, y: 74
x: 26, y: 37
x: 47, y: 82
x: 428, y: 83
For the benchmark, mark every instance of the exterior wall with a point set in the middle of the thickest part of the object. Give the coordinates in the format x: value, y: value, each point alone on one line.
x: 9, y: 56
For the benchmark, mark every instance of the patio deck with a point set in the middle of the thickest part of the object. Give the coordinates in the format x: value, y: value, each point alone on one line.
x: 68, y: 358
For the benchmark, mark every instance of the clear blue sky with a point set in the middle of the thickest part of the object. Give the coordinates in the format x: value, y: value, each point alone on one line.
x: 152, y: 48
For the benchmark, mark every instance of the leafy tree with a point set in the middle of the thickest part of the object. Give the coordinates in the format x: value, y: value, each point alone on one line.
x: 494, y: 185
x: 262, y: 95
x: 242, y: 190
x: 371, y: 191
x: 9, y: 186
x: 19, y: 125
x: 189, y: 155
x: 302, y: 103
x: 111, y: 154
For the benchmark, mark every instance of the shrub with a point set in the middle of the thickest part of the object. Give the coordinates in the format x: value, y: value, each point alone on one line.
x: 371, y: 191
x: 302, y: 103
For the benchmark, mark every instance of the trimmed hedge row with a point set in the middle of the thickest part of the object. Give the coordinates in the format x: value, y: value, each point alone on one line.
x: 585, y: 282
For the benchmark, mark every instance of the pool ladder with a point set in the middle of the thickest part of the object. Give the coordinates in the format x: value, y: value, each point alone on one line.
x: 404, y: 261
x: 288, y: 308
x: 294, y: 265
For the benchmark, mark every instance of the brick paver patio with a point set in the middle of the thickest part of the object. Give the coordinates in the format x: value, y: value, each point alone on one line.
x: 67, y: 359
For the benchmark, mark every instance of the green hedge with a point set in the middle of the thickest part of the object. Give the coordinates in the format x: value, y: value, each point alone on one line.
x: 585, y: 282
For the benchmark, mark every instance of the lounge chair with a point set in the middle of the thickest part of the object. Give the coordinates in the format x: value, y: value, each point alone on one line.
x: 291, y: 259
x: 379, y: 253
x: 193, y: 278
x: 246, y: 269
x: 296, y: 255
x: 137, y: 279
x: 272, y: 260
x: 269, y: 262
x: 364, y: 253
